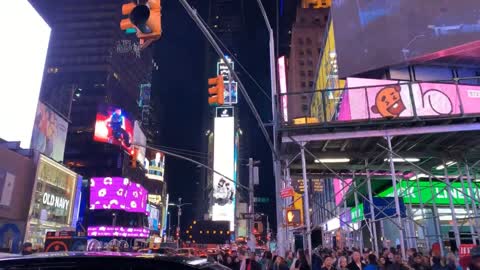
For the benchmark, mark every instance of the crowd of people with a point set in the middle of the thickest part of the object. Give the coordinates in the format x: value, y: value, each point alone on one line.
x: 346, y: 259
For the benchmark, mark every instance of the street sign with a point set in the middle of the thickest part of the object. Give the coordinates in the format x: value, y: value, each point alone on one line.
x: 287, y: 192
x: 315, y: 185
x: 465, y: 249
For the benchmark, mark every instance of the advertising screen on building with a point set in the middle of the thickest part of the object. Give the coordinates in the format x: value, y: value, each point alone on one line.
x: 139, y: 141
x: 114, y: 125
x: 49, y: 133
x: 153, y: 217
x: 155, y: 165
x: 223, y: 208
x: 53, y: 200
x: 110, y: 231
x: 379, y: 99
x: 21, y: 66
x: 117, y: 193
x: 378, y: 33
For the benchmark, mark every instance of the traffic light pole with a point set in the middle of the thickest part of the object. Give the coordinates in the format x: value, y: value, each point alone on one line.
x: 250, y: 203
x: 306, y: 208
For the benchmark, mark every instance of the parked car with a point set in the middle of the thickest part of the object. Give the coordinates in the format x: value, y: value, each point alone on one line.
x: 106, y: 260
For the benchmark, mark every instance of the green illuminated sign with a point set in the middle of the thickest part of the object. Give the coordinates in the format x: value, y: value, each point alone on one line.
x: 411, y: 193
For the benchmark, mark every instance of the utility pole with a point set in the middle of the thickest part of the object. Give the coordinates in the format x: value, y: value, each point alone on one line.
x: 179, y: 207
x: 250, y: 197
x: 169, y: 223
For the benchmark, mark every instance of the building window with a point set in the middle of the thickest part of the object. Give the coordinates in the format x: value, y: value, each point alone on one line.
x: 304, y: 98
x: 309, y: 41
x: 302, y: 73
x: 310, y: 73
x: 309, y: 52
x: 310, y: 63
x: 301, y: 52
x: 300, y: 41
x: 305, y: 108
x: 303, y: 84
x: 301, y: 62
x: 310, y: 83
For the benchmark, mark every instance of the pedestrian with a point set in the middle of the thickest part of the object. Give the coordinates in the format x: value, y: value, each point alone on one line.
x: 382, y: 263
x: 356, y: 263
x: 280, y: 264
x: 398, y: 264
x: 27, y: 248
x: 372, y: 263
x: 245, y: 262
x: 301, y: 262
x: 342, y: 263
x: 475, y: 258
x: 452, y: 263
x: 267, y: 261
x: 327, y: 263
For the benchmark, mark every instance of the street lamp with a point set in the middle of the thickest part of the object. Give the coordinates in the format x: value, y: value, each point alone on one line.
x: 179, y: 206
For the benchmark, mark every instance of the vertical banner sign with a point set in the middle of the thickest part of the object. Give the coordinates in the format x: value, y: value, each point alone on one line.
x: 223, y: 208
x: 231, y: 86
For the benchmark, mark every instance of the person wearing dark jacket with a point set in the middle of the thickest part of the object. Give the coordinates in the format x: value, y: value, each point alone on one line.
x: 372, y: 263
x: 246, y: 263
x: 328, y: 264
x: 301, y: 262
x: 356, y: 263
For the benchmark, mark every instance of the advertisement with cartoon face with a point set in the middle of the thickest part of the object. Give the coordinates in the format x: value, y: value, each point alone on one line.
x: 385, y: 99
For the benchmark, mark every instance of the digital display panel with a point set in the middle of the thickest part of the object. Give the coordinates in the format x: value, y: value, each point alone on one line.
x: 49, y: 133
x: 114, y: 125
x: 223, y: 208
x: 109, y: 231
x: 380, y: 99
x: 23, y: 55
x: 117, y: 193
x: 378, y: 33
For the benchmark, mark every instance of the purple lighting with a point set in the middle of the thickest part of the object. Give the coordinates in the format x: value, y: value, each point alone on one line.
x: 117, y: 231
x: 117, y: 193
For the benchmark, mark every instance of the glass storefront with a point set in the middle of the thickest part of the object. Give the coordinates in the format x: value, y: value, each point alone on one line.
x: 53, y: 201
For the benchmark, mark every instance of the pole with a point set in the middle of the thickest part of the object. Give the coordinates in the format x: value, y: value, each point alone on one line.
x: 178, y: 220
x: 395, y: 193
x: 471, y: 222
x: 419, y: 192
x: 452, y: 207
x: 250, y: 199
x: 359, y: 231
x: 436, y: 219
x: 306, y: 208
x: 281, y: 243
x: 169, y: 223
x: 372, y: 211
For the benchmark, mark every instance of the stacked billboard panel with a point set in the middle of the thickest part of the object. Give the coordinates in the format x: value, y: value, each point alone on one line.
x: 114, y: 125
x: 223, y: 208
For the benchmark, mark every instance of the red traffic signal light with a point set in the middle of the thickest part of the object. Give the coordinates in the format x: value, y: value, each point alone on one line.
x: 217, y: 91
x: 145, y: 18
x: 133, y: 158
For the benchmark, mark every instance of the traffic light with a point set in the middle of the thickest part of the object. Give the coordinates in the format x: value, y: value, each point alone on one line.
x: 145, y: 17
x: 293, y: 217
x: 217, y: 91
x: 133, y: 158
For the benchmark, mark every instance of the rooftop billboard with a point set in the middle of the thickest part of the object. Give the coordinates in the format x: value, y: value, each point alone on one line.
x: 378, y: 33
x: 114, y: 125
x: 23, y: 57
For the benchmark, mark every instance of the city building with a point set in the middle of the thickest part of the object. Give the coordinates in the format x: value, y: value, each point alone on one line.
x: 305, y: 46
x: 17, y: 176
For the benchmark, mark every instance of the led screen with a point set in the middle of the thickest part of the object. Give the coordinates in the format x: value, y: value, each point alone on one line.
x: 117, y: 193
x: 23, y: 54
x: 378, y: 33
x: 109, y: 231
x: 380, y: 99
x: 223, y: 208
x: 155, y: 165
x: 153, y: 217
x: 114, y: 125
x: 49, y: 133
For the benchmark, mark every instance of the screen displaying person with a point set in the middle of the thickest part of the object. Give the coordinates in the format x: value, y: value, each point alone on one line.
x: 116, y: 122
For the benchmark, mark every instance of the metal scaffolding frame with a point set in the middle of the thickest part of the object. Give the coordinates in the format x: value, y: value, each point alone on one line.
x: 405, y: 225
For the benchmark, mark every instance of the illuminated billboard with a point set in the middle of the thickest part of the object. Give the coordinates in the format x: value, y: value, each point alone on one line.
x: 282, y: 77
x: 49, y: 133
x: 155, y: 165
x: 113, y: 125
x: 139, y: 141
x: 231, y: 86
x: 117, y: 193
x: 379, y: 33
x: 153, y: 217
x: 380, y: 99
x: 22, y: 67
x: 223, y: 208
x: 118, y: 231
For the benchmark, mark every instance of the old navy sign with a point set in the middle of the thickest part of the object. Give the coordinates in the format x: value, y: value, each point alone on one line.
x: 55, y: 201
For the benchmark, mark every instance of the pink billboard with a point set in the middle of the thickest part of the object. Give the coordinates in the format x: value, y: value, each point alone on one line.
x: 340, y: 188
x: 117, y: 193
x: 380, y: 99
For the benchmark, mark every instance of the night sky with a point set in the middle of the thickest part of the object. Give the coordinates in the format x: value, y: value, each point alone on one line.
x: 180, y: 93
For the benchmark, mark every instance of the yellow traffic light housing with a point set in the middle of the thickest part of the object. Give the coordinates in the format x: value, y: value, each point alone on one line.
x: 217, y: 91
x: 145, y: 18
